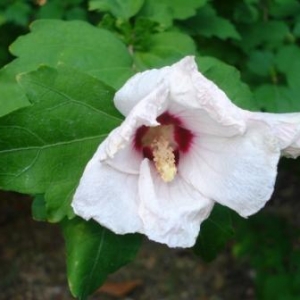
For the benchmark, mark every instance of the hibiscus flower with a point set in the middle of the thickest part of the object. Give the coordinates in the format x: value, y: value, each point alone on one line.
x: 182, y: 147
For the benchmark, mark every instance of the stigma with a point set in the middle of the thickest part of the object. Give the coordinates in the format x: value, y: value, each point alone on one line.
x: 164, y: 159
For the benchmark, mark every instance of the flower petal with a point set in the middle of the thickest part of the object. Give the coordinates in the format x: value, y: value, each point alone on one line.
x: 238, y: 172
x: 191, y: 90
x: 127, y: 160
x: 199, y: 122
x: 138, y: 87
x: 171, y: 212
x: 109, y: 197
x: 144, y: 113
x: 286, y: 128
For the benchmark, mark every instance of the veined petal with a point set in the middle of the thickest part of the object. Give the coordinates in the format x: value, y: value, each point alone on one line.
x: 171, y: 212
x: 138, y: 87
x: 286, y: 128
x: 238, y: 172
x: 108, y: 196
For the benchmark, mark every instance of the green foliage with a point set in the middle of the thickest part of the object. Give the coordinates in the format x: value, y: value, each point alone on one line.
x: 75, y: 43
x: 123, y: 9
x: 65, y: 10
x: 268, y: 242
x: 208, y: 24
x: 214, y: 233
x: 17, y: 12
x: 165, y: 12
x: 93, y: 252
x: 56, y: 107
x: 41, y: 145
x: 164, y: 49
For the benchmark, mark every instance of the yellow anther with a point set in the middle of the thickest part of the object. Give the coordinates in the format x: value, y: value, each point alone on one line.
x: 164, y: 159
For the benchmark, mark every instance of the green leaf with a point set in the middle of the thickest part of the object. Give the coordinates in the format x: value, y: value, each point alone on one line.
x: 157, y: 12
x: 228, y: 79
x: 12, y: 97
x: 75, y: 43
x: 207, y: 23
x: 271, y: 34
x: 261, y: 63
x: 296, y: 30
x: 51, y: 10
x: 164, y: 49
x: 45, y: 147
x: 94, y: 252
x: 214, y: 233
x: 288, y: 62
x: 246, y: 13
x: 278, y: 99
x: 38, y: 208
x: 123, y: 9
x: 182, y: 10
x: 284, y: 8
x: 18, y: 12
x: 165, y: 11
x: 57, y: 9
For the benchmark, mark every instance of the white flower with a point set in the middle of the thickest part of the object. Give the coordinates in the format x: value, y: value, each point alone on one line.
x: 183, y: 146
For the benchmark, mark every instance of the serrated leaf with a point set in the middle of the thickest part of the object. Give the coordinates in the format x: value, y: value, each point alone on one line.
x: 75, y: 43
x: 164, y: 49
x: 207, y: 23
x: 94, y: 252
x: 214, y: 233
x: 165, y: 11
x: 45, y: 147
x: 228, y: 79
x: 123, y: 9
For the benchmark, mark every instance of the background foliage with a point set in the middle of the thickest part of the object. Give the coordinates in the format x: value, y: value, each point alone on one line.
x: 57, y: 82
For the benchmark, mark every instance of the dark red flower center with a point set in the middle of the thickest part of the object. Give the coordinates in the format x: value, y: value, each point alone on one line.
x: 164, y: 144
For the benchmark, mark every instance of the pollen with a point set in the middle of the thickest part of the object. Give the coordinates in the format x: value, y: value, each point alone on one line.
x: 164, y: 159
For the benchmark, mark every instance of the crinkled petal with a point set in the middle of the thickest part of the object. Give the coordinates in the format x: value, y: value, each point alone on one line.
x: 238, y: 172
x: 108, y: 196
x: 190, y: 89
x: 286, y: 128
x: 144, y: 113
x: 138, y: 87
x: 171, y: 212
